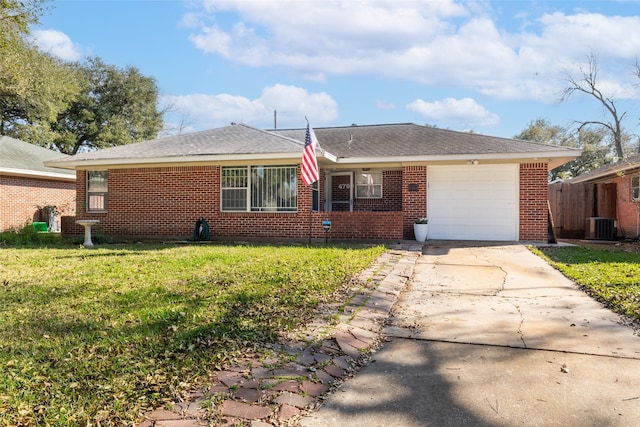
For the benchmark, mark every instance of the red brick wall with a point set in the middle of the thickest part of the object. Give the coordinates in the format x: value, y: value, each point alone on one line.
x: 166, y: 202
x: 414, y: 202
x: 391, y: 195
x: 533, y: 201
x: 21, y: 198
x: 628, y: 214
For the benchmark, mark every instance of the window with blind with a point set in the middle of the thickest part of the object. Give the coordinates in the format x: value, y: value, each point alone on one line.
x: 97, y: 190
x: 260, y: 188
x: 369, y: 185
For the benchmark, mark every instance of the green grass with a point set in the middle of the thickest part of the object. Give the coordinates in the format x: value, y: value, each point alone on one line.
x: 97, y: 337
x: 611, y: 276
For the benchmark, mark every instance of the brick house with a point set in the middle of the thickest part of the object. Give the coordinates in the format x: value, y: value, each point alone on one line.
x: 615, y: 190
x: 374, y: 182
x: 27, y: 185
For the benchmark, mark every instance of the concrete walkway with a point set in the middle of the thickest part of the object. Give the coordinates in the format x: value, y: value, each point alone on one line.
x: 492, y: 336
x: 277, y: 386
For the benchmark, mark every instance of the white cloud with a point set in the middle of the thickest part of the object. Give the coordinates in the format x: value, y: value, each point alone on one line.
x: 58, y: 44
x: 462, y: 113
x: 292, y: 104
x: 443, y: 43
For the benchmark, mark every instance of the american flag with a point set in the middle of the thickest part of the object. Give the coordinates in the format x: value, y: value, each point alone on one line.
x: 309, y: 168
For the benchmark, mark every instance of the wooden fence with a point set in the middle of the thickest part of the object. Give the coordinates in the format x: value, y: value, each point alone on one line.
x: 572, y: 204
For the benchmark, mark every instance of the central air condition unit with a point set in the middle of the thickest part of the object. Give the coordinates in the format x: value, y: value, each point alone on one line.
x: 597, y: 228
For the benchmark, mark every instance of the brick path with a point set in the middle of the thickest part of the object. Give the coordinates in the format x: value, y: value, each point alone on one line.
x: 278, y: 388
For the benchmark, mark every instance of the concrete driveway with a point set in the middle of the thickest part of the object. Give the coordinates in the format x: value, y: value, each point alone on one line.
x: 490, y: 335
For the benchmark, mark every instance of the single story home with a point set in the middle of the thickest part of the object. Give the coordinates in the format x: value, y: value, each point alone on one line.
x: 615, y: 199
x: 27, y: 186
x: 375, y: 180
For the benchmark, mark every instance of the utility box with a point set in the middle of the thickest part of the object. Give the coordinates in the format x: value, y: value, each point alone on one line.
x: 41, y: 227
x: 598, y: 228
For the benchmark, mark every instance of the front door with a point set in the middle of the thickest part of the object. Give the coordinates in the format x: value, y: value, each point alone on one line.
x: 340, y: 191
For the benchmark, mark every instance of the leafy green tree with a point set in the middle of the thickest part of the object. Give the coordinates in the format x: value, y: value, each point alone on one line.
x: 34, y: 86
x: 115, y: 107
x: 68, y: 107
x: 594, y: 143
x: 15, y: 18
x: 34, y: 89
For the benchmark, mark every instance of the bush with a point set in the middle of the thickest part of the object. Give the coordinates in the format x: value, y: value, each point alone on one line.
x: 28, y: 236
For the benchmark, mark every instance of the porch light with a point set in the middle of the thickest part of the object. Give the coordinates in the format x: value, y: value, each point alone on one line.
x: 472, y: 162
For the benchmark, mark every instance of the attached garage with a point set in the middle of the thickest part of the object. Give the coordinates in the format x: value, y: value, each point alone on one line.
x: 473, y: 202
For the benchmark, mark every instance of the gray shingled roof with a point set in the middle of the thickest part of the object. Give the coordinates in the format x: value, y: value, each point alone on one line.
x: 628, y: 165
x: 371, y: 142
x: 16, y: 155
x: 408, y: 139
x: 232, y: 139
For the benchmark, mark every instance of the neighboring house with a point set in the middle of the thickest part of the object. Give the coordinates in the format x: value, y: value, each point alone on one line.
x: 374, y: 182
x: 611, y: 196
x: 27, y: 186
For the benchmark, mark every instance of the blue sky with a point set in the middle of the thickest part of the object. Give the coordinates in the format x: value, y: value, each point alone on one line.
x: 487, y: 66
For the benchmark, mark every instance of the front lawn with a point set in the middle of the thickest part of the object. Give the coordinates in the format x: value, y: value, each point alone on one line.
x: 610, y: 275
x: 97, y: 337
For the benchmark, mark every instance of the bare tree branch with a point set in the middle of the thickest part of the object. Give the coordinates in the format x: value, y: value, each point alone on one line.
x: 587, y: 84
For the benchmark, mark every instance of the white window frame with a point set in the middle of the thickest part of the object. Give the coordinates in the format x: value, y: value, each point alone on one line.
x: 635, y: 188
x: 279, y: 197
x: 234, y: 183
x: 97, y: 201
x: 370, y: 189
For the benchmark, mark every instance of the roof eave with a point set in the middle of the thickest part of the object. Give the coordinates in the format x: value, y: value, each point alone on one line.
x: 604, y: 174
x: 148, y: 161
x: 553, y: 158
x: 37, y: 174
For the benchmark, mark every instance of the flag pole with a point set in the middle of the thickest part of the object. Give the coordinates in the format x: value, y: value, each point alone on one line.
x: 309, y: 169
x: 310, y: 199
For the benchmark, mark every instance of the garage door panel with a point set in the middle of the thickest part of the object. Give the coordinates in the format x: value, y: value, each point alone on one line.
x: 475, y: 202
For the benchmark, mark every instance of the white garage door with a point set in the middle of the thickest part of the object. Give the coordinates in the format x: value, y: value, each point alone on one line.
x: 473, y: 202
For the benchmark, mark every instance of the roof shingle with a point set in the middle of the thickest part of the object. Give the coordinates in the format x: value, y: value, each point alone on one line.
x: 373, y: 142
x: 20, y: 155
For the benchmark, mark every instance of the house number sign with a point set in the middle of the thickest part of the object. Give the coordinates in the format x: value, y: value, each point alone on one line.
x: 344, y: 186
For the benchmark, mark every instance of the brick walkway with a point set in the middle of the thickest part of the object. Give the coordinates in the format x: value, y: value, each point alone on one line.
x: 278, y: 388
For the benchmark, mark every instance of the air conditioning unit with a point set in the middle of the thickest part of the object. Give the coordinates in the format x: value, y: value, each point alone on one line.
x: 597, y: 228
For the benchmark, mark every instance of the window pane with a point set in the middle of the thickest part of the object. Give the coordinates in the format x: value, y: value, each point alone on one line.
x: 635, y: 187
x: 97, y: 181
x: 274, y: 188
x: 97, y: 202
x: 97, y: 187
x: 234, y: 188
x: 234, y: 200
x: 234, y: 177
x: 368, y: 191
x: 315, y: 197
x: 369, y: 178
x: 369, y: 185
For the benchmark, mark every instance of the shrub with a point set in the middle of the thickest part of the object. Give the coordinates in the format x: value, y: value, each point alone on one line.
x: 28, y: 236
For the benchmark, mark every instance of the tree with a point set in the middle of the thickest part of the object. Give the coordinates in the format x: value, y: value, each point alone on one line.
x: 34, y: 89
x: 15, y: 18
x: 65, y: 106
x: 34, y: 86
x: 596, y: 151
x: 115, y: 107
x: 587, y: 84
